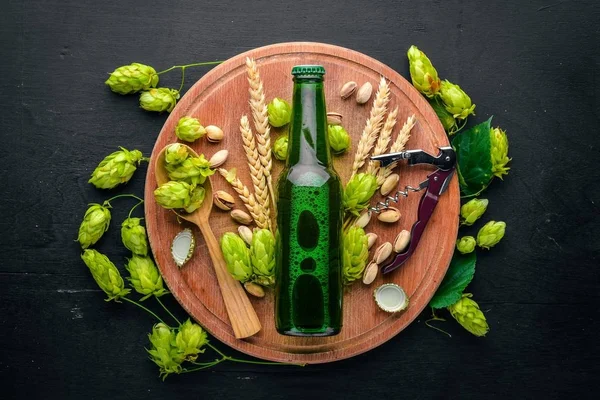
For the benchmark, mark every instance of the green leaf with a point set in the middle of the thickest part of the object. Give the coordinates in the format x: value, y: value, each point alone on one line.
x: 459, y: 275
x: 473, y: 157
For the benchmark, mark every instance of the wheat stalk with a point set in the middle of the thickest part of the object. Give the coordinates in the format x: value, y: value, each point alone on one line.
x: 396, y: 147
x: 260, y: 114
x: 372, y: 127
x: 247, y: 198
x: 385, y: 136
x: 259, y: 180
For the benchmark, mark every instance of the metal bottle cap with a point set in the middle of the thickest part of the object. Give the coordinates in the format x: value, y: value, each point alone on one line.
x: 391, y: 298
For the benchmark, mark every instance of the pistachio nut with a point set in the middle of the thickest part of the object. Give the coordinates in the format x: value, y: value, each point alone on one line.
x: 390, y: 215
x: 371, y: 239
x: 364, y: 93
x: 382, y: 253
x: 241, y: 217
x: 334, y: 118
x: 370, y: 273
x: 363, y: 220
x: 348, y: 89
x: 389, y: 184
x: 246, y: 234
x: 223, y: 200
x: 218, y: 158
x: 214, y: 134
x: 254, y: 289
x: 401, y: 241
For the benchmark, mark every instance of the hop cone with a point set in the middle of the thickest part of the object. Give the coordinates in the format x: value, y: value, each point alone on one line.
x: 237, y: 256
x: 132, y: 78
x: 499, y: 152
x: 447, y: 120
x: 262, y: 256
x: 422, y: 73
x: 116, y: 168
x: 95, y: 222
x: 339, y: 140
x: 490, y: 234
x: 159, y: 99
x: 468, y: 314
x: 280, y: 112
x: 145, y: 277
x: 356, y: 254
x: 456, y: 101
x: 163, y: 351
x: 133, y: 235
x: 466, y: 244
x: 358, y: 192
x: 472, y: 210
x: 193, y: 170
x: 189, y: 129
x: 280, y: 148
x: 190, y: 339
x: 196, y: 199
x: 176, y: 153
x: 105, y: 274
x: 173, y: 194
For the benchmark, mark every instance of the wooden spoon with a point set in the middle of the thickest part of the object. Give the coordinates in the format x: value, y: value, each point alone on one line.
x: 242, y: 315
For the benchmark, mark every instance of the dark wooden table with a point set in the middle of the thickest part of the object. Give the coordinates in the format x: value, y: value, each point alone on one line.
x: 533, y: 65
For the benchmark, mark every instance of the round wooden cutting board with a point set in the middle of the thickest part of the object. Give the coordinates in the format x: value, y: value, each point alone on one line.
x: 220, y: 98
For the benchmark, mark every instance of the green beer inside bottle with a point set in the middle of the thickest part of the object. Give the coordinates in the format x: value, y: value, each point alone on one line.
x: 308, y: 297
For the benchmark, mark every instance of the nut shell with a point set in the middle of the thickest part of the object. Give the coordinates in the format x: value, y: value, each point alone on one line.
x: 218, y: 158
x: 390, y: 215
x: 389, y: 184
x: 382, y: 253
x: 364, y: 93
x: 246, y: 234
x: 254, y: 289
x: 370, y: 273
x: 223, y: 200
x: 371, y: 239
x: 401, y: 241
x: 348, y: 89
x: 241, y: 217
x: 334, y: 118
x: 214, y: 134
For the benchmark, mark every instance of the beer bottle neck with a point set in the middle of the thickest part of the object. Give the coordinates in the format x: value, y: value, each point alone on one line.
x: 308, y: 141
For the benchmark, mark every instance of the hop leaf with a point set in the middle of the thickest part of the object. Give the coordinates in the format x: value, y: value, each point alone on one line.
x: 176, y: 153
x: 358, y: 193
x: 456, y: 101
x: 189, y: 129
x: 467, y: 313
x: 132, y: 78
x: 499, y: 152
x: 339, y: 140
x: 145, y: 277
x: 280, y: 112
x: 356, y: 254
x: 262, y: 256
x: 133, y: 235
x: 105, y: 274
x: 490, y: 234
x: 193, y: 170
x: 280, y: 148
x: 422, y: 73
x: 237, y: 256
x: 95, y: 222
x: 163, y: 351
x: 466, y: 244
x: 173, y: 194
x: 116, y: 168
x: 190, y: 339
x: 159, y: 99
x: 472, y: 210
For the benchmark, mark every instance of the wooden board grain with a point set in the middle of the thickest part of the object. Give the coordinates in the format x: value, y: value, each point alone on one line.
x: 221, y: 98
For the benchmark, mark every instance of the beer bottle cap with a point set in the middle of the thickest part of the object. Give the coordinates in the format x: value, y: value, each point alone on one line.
x: 308, y: 70
x: 391, y: 298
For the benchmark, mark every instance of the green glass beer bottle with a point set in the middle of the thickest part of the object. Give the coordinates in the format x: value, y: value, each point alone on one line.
x: 308, y: 295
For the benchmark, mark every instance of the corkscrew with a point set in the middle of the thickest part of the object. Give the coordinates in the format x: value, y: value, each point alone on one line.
x: 435, y: 185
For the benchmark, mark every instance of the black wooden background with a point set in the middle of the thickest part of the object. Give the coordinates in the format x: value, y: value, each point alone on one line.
x: 531, y: 64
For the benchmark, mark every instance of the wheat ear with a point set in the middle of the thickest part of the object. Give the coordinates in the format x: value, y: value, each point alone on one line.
x: 259, y: 180
x: 397, y: 146
x: 247, y: 198
x: 260, y: 114
x: 373, y: 125
x: 385, y: 136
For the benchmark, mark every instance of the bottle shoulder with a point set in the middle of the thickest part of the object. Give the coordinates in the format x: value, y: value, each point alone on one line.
x: 309, y: 175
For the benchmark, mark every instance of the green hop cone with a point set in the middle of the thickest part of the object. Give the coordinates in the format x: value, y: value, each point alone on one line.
x: 358, y: 193
x: 499, y: 152
x: 262, y: 256
x: 189, y: 129
x: 447, y: 120
x: 163, y: 351
x: 467, y: 313
x: 237, y: 256
x: 105, y: 274
x: 145, y: 277
x: 116, y: 168
x: 280, y: 148
x: 193, y: 170
x: 356, y: 254
x: 159, y: 99
x: 280, y: 112
x: 466, y: 244
x: 196, y: 199
x: 132, y: 78
x: 176, y: 153
x: 95, y: 222
x: 190, y: 339
x: 490, y: 234
x: 422, y: 73
x: 472, y: 210
x: 133, y: 235
x: 173, y: 194
x: 339, y: 140
x: 456, y: 101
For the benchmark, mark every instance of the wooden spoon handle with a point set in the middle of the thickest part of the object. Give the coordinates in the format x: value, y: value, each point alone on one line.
x: 242, y: 315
